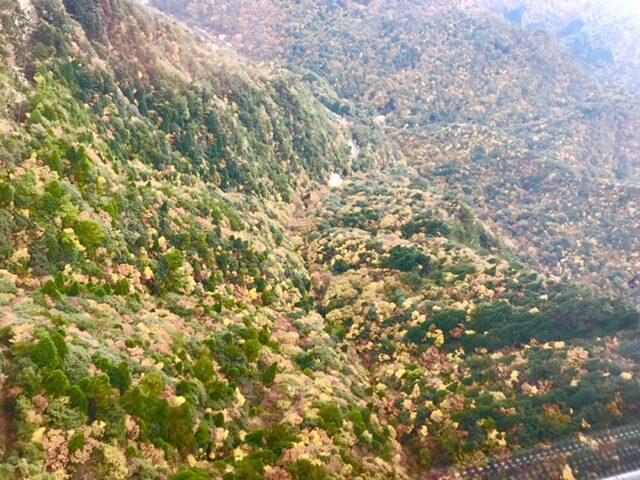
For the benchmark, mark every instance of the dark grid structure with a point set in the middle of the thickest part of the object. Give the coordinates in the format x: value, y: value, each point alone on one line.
x: 611, y: 455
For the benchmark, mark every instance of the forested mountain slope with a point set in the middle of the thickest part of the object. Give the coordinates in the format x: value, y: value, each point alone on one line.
x: 473, y: 355
x: 502, y: 116
x: 151, y: 321
x: 181, y: 297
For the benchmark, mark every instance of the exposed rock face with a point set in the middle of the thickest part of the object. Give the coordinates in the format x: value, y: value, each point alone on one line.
x: 335, y: 180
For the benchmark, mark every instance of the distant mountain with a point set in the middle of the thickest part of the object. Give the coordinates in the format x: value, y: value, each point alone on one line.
x: 602, y: 35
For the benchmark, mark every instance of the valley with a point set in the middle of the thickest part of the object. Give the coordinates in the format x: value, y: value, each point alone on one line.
x: 499, y: 116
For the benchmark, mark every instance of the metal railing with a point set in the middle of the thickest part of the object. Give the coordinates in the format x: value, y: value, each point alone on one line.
x: 611, y: 455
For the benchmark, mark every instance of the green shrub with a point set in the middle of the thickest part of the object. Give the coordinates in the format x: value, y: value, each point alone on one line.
x: 6, y: 227
x: 331, y: 418
x: 426, y: 224
x: 25, y: 191
x: 29, y: 379
x: 268, y: 297
x: 463, y: 269
x: 305, y: 470
x: 487, y: 317
x: 407, y: 259
x: 279, y: 438
x: 445, y: 320
x: 174, y: 259
x: 255, y: 438
x: 74, y: 289
x: 6, y: 194
x: 76, y: 443
x: 252, y: 349
x: 219, y: 392
x: 425, y: 460
x: 60, y: 343
x: 179, y: 427
x: 55, y: 250
x: 203, y: 368
x: 119, y: 377
x: 122, y: 287
x: 193, y: 391
x: 61, y: 415
x: 78, y: 399
x: 45, y: 354
x: 101, y: 395
x: 56, y: 383
x: 153, y: 384
x: 54, y: 202
x: 50, y: 288
x: 192, y: 474
x: 90, y: 234
x: 203, y: 436
x: 84, y: 172
x: 223, y: 261
x: 54, y: 162
x: 269, y: 375
x: 261, y: 284
x: 250, y: 468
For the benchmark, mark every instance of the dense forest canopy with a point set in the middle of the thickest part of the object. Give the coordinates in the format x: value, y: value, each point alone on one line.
x: 312, y: 240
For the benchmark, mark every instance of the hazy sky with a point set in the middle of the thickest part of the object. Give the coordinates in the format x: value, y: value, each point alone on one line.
x: 632, y: 5
x: 626, y: 6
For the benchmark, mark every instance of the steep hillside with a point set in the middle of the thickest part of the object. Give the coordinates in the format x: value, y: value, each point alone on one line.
x: 233, y: 123
x: 182, y: 298
x: 473, y: 355
x: 150, y: 321
x: 503, y: 116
